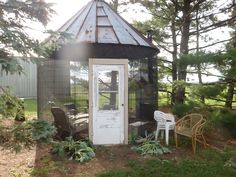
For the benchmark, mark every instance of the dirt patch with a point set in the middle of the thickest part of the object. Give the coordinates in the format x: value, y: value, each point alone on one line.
x: 41, y: 162
x: 16, y: 164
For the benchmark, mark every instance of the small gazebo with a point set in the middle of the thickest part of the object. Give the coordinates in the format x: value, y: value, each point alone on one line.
x: 105, y: 68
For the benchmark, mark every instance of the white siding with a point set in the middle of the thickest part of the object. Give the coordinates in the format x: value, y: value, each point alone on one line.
x: 24, y: 85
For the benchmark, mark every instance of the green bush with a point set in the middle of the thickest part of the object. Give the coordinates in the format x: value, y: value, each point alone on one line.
x: 224, y: 118
x: 9, y: 104
x: 80, y: 151
x: 26, y: 134
x: 41, y: 130
x: 182, y: 109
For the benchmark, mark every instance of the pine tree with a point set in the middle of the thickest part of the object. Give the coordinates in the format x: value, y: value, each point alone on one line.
x: 15, y: 18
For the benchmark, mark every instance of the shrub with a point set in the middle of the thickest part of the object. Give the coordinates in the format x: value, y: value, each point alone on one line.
x: 41, y: 130
x: 80, y: 151
x: 25, y: 135
x: 182, y: 109
x: 10, y: 105
x: 224, y: 118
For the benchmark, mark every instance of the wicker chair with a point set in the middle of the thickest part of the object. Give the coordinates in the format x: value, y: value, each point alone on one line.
x: 191, y: 126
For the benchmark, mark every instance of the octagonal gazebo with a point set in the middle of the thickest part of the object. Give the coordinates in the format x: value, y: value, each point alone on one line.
x: 105, y: 68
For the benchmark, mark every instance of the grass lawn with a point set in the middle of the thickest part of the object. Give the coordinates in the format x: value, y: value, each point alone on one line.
x: 208, y: 163
x: 30, y: 107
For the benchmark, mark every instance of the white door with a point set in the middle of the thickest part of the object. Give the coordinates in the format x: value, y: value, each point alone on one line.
x: 108, y: 104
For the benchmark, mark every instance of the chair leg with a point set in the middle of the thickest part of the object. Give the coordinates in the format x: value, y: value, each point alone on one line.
x: 157, y: 132
x: 176, y: 140
x: 167, y: 135
x: 204, y: 141
x: 162, y: 134
x: 194, y: 144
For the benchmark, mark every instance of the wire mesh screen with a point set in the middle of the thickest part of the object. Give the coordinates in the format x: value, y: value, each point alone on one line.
x: 142, y: 88
x: 65, y: 84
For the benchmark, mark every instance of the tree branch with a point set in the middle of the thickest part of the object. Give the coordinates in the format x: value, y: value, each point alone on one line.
x: 216, y: 25
x: 209, y: 45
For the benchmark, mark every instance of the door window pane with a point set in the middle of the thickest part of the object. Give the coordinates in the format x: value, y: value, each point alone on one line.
x: 108, y: 90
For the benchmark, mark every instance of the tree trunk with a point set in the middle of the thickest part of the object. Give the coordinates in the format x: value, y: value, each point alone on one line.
x: 115, y: 5
x: 197, y: 47
x: 230, y: 95
x: 174, y: 55
x: 186, y: 20
x: 231, y: 85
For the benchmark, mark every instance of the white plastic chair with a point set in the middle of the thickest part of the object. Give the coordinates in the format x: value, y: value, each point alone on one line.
x: 164, y: 122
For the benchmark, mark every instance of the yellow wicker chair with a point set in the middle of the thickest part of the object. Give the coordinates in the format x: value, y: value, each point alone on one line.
x: 191, y: 126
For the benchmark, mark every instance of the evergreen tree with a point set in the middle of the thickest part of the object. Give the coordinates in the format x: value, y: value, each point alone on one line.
x: 175, y: 25
x: 16, y: 16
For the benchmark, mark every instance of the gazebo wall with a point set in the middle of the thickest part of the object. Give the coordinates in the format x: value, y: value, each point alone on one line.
x: 53, y: 85
x: 58, y: 85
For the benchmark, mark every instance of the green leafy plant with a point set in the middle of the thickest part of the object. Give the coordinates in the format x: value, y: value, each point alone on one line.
x: 224, y: 118
x: 132, y: 138
x: 41, y: 130
x: 26, y: 134
x: 151, y: 147
x: 188, y: 107
x: 20, y: 137
x: 10, y: 105
x: 80, y: 151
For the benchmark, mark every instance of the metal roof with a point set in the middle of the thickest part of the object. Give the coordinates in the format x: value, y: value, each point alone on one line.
x: 98, y: 23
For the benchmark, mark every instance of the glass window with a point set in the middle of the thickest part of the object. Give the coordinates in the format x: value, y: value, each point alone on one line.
x: 108, y: 90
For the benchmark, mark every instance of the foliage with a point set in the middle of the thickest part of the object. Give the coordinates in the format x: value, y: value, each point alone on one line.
x: 41, y: 130
x: 208, y: 163
x: 15, y: 14
x: 26, y: 134
x: 179, y: 84
x: 132, y: 138
x: 208, y: 91
x: 151, y: 147
x: 52, y: 45
x: 80, y: 151
x: 179, y: 26
x: 182, y: 109
x: 9, y: 104
x: 224, y: 118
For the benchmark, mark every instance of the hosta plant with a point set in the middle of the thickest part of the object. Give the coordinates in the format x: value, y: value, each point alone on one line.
x: 80, y: 151
x: 151, y: 147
